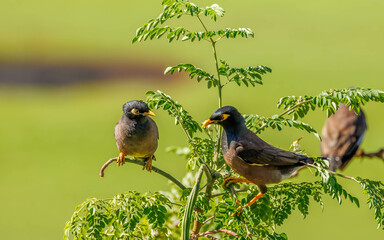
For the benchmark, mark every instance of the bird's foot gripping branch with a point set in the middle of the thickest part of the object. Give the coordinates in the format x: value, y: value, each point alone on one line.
x: 204, y: 203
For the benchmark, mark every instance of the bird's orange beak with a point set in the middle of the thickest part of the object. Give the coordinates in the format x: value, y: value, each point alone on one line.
x: 208, y: 122
x: 149, y: 113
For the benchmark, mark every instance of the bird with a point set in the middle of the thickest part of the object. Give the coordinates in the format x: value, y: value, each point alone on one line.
x: 137, y: 134
x: 252, y: 158
x: 342, y: 135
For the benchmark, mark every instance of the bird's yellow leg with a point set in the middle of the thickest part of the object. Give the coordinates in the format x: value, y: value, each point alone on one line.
x: 121, y: 159
x: 258, y: 196
x: 148, y: 164
x: 239, y: 210
x: 231, y: 180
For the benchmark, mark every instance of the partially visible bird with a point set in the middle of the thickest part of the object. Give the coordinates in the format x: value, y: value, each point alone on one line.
x: 248, y: 155
x: 136, y: 133
x: 341, y: 136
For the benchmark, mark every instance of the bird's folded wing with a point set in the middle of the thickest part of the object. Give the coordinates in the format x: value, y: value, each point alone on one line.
x: 267, y: 156
x: 353, y: 138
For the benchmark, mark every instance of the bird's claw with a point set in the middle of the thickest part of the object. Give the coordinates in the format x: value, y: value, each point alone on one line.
x: 228, y: 181
x: 148, y: 165
x: 120, y: 159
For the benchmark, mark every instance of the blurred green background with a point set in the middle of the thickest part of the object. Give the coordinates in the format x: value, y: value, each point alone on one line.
x: 54, y: 138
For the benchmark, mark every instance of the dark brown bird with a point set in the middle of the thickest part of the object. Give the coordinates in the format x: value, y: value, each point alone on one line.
x: 341, y: 136
x: 136, y: 134
x: 248, y: 155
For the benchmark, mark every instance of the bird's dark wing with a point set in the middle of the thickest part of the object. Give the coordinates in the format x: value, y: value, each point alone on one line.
x: 342, y: 135
x: 260, y: 152
x: 355, y: 139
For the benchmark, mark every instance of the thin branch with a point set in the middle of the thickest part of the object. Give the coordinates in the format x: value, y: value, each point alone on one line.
x: 194, y: 149
x: 210, y: 181
x: 208, y: 219
x: 283, y: 113
x: 138, y: 162
x: 297, y: 105
x: 237, y: 191
x: 233, y: 191
x: 228, y: 81
x: 214, y: 232
x: 177, y: 204
x: 219, y: 38
x: 378, y: 154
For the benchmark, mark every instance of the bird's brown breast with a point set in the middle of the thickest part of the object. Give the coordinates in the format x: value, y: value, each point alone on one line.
x: 137, y: 140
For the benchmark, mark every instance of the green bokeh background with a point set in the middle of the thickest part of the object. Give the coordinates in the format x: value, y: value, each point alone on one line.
x: 53, y: 140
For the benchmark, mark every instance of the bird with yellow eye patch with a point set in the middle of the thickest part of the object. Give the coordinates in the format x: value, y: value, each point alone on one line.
x: 257, y: 161
x: 136, y: 134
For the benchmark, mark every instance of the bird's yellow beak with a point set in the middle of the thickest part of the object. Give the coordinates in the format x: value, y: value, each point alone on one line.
x: 149, y: 113
x: 208, y: 122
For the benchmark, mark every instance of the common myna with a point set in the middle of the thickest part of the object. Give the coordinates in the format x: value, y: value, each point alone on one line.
x: 341, y: 136
x: 136, y: 134
x: 248, y: 155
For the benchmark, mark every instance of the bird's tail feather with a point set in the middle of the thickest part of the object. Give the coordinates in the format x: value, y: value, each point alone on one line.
x: 312, y: 160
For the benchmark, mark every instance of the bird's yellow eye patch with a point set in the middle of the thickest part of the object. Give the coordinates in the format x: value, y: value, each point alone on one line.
x: 135, y: 111
x: 224, y: 116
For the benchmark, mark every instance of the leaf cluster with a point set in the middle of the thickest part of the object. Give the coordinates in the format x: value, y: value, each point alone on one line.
x: 261, y: 219
x: 257, y: 123
x: 330, y: 184
x: 247, y: 76
x: 155, y: 29
x: 126, y: 216
x: 375, y: 201
x: 329, y: 101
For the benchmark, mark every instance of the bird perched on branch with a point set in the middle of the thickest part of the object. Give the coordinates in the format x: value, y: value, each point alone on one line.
x: 257, y: 161
x: 136, y: 133
x: 341, y: 136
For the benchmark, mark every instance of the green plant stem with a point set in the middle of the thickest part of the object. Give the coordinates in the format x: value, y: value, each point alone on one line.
x: 237, y: 191
x: 208, y: 190
x: 194, y: 149
x: 138, y: 162
x: 219, y: 87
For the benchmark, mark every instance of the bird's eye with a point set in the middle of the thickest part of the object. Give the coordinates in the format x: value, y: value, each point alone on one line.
x: 135, y: 111
x: 224, y: 117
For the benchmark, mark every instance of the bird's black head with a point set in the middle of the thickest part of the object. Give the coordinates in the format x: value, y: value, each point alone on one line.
x: 227, y: 116
x: 137, y: 110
